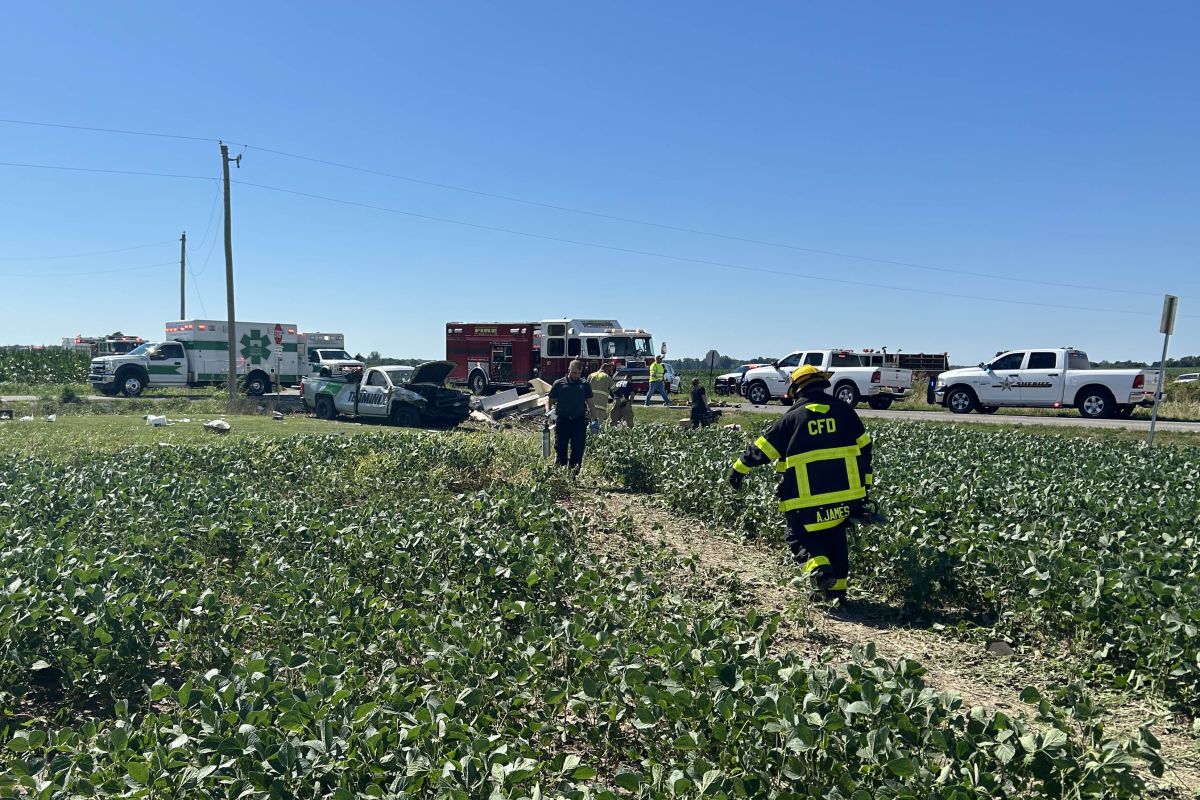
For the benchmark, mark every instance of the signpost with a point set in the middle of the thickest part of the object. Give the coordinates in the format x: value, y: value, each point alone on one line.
x: 1166, y: 327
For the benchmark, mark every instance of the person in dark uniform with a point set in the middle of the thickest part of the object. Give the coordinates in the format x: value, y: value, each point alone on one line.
x: 571, y: 403
x: 700, y: 413
x: 823, y: 455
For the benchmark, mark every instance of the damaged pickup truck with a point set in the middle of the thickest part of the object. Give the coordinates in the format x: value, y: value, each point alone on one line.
x: 410, y: 398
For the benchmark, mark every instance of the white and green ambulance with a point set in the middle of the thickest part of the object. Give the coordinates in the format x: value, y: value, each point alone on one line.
x: 196, y: 353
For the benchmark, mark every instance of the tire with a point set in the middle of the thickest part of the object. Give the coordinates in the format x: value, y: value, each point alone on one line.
x: 257, y: 384
x: 108, y: 389
x: 961, y: 400
x: 325, y: 407
x: 988, y: 409
x: 404, y: 416
x: 847, y: 392
x: 478, y: 382
x: 1124, y: 411
x: 758, y: 394
x: 1095, y: 402
x: 880, y: 403
x: 132, y: 382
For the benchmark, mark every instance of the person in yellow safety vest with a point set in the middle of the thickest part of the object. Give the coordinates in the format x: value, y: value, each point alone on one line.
x: 602, y: 382
x: 658, y: 374
x: 824, y: 456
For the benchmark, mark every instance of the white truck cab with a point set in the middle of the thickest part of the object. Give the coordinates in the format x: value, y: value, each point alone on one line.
x: 1046, y: 378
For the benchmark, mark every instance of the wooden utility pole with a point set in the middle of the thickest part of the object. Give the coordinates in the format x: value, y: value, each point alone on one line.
x: 229, y: 273
x: 182, y: 262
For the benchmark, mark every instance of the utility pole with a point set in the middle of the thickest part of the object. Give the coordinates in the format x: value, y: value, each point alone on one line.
x: 182, y: 261
x: 229, y: 272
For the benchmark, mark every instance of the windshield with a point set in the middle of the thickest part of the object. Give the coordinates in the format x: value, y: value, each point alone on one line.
x: 143, y: 349
x: 400, y: 375
x: 628, y: 346
x: 334, y: 355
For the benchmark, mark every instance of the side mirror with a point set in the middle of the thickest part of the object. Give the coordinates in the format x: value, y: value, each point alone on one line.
x: 982, y: 365
x: 774, y: 363
x: 663, y: 349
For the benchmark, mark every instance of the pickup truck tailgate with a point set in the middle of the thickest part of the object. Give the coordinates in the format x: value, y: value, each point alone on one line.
x: 893, y: 380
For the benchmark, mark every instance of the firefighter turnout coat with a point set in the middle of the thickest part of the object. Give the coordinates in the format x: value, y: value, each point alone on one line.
x: 824, y: 456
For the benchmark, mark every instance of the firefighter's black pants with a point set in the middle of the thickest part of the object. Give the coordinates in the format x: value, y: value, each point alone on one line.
x: 824, y: 556
x: 570, y: 433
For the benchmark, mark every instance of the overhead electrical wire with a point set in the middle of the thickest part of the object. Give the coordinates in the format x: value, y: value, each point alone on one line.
x: 684, y: 259
x: 87, y: 255
x: 108, y: 171
x: 87, y: 271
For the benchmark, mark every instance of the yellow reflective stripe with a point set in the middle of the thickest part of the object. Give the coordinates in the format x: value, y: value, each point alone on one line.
x: 820, y: 408
x: 824, y: 526
x: 863, y: 440
x: 738, y: 466
x: 780, y: 466
x: 830, y: 498
x: 768, y: 449
x: 841, y: 584
x: 813, y: 563
x: 869, y: 478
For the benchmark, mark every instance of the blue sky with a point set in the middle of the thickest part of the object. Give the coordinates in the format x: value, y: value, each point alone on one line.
x: 1037, y: 142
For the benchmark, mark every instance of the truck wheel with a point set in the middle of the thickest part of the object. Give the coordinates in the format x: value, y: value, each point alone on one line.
x: 1095, y: 402
x: 325, y: 409
x: 988, y: 409
x: 847, y: 392
x: 758, y: 393
x: 108, y: 389
x: 478, y: 382
x: 405, y: 416
x: 960, y: 400
x: 257, y: 384
x: 1124, y: 411
x: 880, y: 403
x: 132, y: 382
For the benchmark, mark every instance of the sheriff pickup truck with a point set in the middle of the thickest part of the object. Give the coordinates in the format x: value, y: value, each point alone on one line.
x: 404, y: 396
x: 1046, y: 378
x: 852, y: 380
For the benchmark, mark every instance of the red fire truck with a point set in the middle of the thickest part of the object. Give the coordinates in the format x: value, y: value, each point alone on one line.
x: 500, y: 355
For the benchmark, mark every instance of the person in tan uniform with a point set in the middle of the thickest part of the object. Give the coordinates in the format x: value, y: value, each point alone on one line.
x: 601, y: 381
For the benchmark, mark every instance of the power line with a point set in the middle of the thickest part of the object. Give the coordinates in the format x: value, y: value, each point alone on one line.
x: 107, y: 171
x: 687, y: 259
x: 85, y: 272
x: 85, y: 255
x: 104, y: 130
x: 212, y: 213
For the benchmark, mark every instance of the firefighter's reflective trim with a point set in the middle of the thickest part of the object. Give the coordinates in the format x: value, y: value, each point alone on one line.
x: 820, y: 408
x: 813, y: 563
x: 863, y: 440
x: 806, y: 499
x: 824, y: 525
x: 738, y: 466
x: 840, y: 585
x: 780, y: 466
x: 869, y: 479
x: 768, y: 449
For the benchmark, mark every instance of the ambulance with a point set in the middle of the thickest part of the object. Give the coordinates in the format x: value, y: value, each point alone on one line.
x: 196, y: 353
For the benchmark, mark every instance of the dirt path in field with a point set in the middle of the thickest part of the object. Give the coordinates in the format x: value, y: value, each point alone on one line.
x: 722, y: 564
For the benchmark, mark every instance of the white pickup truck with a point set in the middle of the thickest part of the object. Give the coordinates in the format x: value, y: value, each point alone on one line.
x: 1046, y: 378
x: 404, y: 396
x: 853, y: 379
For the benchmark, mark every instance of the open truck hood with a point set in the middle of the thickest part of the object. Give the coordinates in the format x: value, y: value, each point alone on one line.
x: 434, y: 372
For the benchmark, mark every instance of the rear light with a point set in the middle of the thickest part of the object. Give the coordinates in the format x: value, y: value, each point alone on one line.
x: 1139, y: 381
x: 875, y: 376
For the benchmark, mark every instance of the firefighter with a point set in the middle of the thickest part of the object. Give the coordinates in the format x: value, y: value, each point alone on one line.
x: 824, y: 456
x: 601, y: 381
x: 621, y: 412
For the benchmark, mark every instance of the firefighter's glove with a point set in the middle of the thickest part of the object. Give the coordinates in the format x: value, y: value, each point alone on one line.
x: 736, y: 478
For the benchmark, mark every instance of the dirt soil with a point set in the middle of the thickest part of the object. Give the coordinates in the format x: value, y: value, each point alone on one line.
x: 701, y: 561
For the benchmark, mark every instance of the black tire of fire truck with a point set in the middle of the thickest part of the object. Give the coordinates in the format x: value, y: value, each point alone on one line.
x: 325, y: 409
x: 758, y: 394
x: 1095, y: 402
x: 880, y: 403
x: 847, y: 392
x: 1124, y: 411
x: 257, y: 384
x: 961, y: 400
x: 132, y: 381
x: 405, y: 416
x: 477, y: 382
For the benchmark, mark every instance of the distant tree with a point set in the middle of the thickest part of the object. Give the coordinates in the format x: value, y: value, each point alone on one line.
x: 359, y: 357
x: 374, y: 357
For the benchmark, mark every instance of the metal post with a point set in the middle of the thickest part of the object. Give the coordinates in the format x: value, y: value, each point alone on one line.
x: 182, y: 261
x: 1167, y: 327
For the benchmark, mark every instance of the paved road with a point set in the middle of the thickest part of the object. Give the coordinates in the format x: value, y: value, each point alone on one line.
x: 992, y: 419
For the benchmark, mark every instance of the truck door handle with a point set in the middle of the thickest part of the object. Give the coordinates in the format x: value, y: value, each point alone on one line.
x: 1053, y: 374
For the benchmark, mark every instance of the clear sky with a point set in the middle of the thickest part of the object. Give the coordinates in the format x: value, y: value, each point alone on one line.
x: 966, y: 154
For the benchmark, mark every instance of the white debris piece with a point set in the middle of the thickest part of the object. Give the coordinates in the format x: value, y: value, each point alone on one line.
x: 217, y: 426
x: 26, y: 419
x: 51, y: 417
x: 155, y: 421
